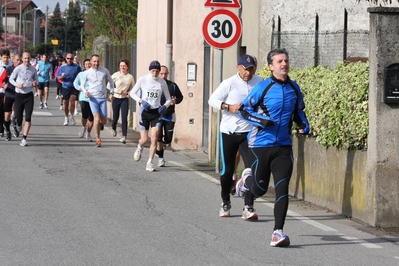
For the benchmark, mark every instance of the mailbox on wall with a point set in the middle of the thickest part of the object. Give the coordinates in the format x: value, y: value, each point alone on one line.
x: 391, y: 90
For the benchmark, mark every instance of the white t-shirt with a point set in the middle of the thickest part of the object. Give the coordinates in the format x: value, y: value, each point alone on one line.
x: 233, y: 91
x: 151, y: 91
x: 97, y: 79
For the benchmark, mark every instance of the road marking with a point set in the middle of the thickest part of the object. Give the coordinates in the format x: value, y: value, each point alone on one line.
x: 42, y: 113
x: 290, y: 213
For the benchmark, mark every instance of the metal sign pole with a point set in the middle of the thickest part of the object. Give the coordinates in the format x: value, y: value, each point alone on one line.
x: 217, y: 165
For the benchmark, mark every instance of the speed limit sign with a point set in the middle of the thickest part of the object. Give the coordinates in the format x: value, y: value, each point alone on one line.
x: 221, y: 28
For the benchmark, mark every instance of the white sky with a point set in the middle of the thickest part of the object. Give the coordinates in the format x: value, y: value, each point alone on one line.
x: 51, y: 4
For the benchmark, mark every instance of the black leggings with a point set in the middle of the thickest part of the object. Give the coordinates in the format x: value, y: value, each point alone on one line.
x: 229, y: 145
x: 165, y: 133
x: 86, y: 111
x: 277, y: 161
x: 122, y: 106
x: 24, y: 102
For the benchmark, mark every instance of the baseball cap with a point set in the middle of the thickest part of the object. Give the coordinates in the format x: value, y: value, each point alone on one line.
x: 154, y: 65
x: 247, y: 61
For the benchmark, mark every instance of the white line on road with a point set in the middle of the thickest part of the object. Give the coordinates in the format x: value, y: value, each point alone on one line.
x: 42, y: 113
x: 290, y: 213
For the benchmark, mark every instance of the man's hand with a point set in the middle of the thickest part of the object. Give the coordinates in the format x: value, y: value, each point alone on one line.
x: 145, y: 105
x: 162, y: 109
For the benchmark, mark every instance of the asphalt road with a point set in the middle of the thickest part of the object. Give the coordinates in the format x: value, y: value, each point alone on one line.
x: 65, y: 202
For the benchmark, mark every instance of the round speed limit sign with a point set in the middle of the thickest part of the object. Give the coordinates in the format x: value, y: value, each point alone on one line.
x: 221, y: 28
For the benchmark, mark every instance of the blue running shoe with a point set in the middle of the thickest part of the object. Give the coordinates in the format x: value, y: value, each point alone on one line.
x: 279, y: 239
x: 241, y: 188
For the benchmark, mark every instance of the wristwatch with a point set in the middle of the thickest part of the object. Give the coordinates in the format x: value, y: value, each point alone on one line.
x: 226, y: 107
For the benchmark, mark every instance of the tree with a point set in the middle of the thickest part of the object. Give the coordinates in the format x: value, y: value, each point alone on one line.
x: 56, y: 26
x: 75, y: 23
x: 14, y: 42
x: 116, y: 19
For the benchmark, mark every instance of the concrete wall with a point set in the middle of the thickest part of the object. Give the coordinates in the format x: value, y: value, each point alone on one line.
x: 332, y: 178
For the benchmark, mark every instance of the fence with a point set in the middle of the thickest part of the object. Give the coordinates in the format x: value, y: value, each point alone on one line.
x: 325, y: 48
x: 113, y: 52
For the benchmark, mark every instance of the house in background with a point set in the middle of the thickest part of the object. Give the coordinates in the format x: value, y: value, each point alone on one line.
x: 22, y: 18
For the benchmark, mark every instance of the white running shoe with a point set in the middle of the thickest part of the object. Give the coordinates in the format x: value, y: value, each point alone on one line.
x: 66, y: 121
x: 161, y: 162
x: 149, y: 167
x: 249, y: 213
x: 41, y: 106
x: 57, y: 97
x: 123, y: 140
x: 36, y: 94
x: 88, y: 136
x: 45, y: 105
x: 225, y: 210
x: 279, y: 239
x: 76, y: 112
x: 241, y: 188
x: 61, y: 107
x: 82, y: 132
x: 72, y: 121
x: 137, y: 154
x: 23, y: 143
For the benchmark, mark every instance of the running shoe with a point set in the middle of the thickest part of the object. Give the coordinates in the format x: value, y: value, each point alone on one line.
x: 88, y: 137
x: 41, y: 106
x: 57, y: 97
x: 123, y: 140
x: 82, y: 132
x: 8, y: 136
x: 1, y: 134
x: 23, y: 142
x: 161, y: 162
x: 61, y: 107
x: 72, y: 120
x: 98, y: 143
x: 137, y: 154
x: 241, y: 188
x: 248, y: 213
x: 225, y: 209
x: 17, y: 129
x: 36, y: 94
x: 76, y: 112
x: 101, y: 126
x: 45, y: 105
x: 114, y: 132
x: 149, y: 167
x: 279, y: 239
x: 66, y: 121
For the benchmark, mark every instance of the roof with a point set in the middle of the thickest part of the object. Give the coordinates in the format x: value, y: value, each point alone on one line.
x: 13, y: 7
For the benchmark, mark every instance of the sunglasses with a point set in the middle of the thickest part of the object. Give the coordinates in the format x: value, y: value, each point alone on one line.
x: 69, y: 58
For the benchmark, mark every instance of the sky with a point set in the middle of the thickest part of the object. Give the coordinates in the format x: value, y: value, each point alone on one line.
x: 51, y: 4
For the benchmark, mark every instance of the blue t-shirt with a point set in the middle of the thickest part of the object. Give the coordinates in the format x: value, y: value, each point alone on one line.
x: 44, y: 69
x: 71, y: 71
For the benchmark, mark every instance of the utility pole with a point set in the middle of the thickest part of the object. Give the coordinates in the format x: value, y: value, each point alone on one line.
x: 20, y: 24
x: 46, y: 26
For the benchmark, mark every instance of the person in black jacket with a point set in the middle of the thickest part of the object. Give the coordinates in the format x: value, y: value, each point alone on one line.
x: 167, y: 121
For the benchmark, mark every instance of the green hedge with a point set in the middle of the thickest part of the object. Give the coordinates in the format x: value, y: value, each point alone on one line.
x: 336, y: 103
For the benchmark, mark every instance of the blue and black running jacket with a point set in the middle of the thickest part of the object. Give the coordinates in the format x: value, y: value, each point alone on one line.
x: 271, y: 107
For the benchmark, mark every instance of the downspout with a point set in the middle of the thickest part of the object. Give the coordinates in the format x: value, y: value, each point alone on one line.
x: 169, y: 36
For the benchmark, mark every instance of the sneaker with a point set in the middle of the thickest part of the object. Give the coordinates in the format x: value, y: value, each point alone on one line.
x: 82, y: 132
x: 8, y: 136
x: 76, y: 112
x: 137, y: 154
x: 45, y: 105
x: 98, y: 143
x: 72, y: 120
x: 23, y: 142
x: 101, y: 127
x: 17, y: 129
x: 41, y: 106
x: 88, y: 137
x: 241, y: 188
x: 61, y: 107
x: 66, y: 121
x: 57, y: 97
x: 225, y: 209
x: 123, y: 140
x: 113, y: 132
x: 149, y: 167
x: 161, y: 162
x: 248, y: 213
x: 36, y: 94
x: 1, y: 134
x: 279, y: 239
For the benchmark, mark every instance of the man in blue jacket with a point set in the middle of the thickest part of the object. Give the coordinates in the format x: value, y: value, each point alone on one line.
x: 271, y: 107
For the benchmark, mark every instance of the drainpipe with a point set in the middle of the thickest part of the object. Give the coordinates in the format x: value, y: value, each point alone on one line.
x: 169, y: 35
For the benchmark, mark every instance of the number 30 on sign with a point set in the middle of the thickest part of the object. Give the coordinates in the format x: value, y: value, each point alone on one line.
x: 221, y: 28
